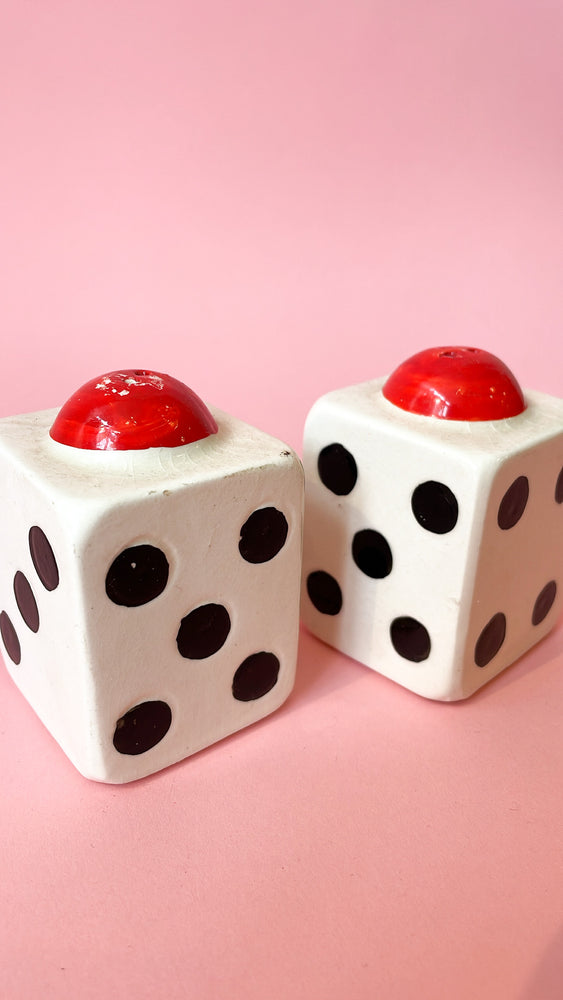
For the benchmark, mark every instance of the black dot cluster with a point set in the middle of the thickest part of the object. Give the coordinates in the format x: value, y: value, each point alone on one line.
x: 435, y: 507
x: 45, y: 566
x: 139, y: 574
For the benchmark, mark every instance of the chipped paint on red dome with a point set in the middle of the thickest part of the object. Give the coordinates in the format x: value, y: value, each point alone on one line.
x: 132, y: 410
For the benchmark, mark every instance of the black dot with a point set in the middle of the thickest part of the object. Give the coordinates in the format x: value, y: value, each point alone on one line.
x: 490, y: 640
x: 137, y: 576
x: 513, y: 503
x: 10, y: 638
x: 324, y: 592
x: 372, y: 554
x: 142, y: 727
x: 337, y: 469
x: 43, y: 558
x: 559, y: 488
x: 263, y: 535
x: 203, y: 631
x: 544, y: 602
x: 435, y: 507
x: 256, y: 676
x: 410, y: 639
x: 26, y: 602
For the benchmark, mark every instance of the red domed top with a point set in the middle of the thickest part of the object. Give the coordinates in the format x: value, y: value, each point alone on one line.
x: 132, y: 410
x: 455, y: 383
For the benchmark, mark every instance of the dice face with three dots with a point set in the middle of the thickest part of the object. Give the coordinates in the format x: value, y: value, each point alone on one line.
x: 433, y: 547
x: 150, y: 600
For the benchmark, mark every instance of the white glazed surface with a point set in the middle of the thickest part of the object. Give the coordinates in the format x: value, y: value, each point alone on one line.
x: 452, y: 583
x: 91, y: 660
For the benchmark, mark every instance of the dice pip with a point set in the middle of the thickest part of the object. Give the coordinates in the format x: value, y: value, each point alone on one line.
x: 433, y: 547
x: 151, y: 552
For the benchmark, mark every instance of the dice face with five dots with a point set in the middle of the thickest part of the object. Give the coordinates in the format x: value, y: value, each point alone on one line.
x: 151, y: 553
x: 433, y: 547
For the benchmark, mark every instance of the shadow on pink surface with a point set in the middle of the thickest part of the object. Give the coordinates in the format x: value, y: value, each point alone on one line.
x: 546, y: 982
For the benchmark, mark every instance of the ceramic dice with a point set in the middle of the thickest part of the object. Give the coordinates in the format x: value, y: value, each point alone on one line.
x: 434, y: 521
x: 151, y: 556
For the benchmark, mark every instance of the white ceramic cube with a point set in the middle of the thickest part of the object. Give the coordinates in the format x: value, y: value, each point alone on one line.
x: 433, y: 547
x: 150, y: 597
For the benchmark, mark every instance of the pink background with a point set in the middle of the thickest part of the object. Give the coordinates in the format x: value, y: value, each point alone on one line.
x: 268, y: 200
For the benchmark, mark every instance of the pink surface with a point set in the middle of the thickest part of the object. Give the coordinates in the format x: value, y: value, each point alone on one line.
x: 268, y: 201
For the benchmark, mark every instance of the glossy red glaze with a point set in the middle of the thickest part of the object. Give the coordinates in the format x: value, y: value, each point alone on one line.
x: 455, y: 383
x: 132, y: 410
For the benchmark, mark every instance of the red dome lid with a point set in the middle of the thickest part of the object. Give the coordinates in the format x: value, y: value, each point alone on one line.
x: 455, y: 383
x: 132, y: 410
